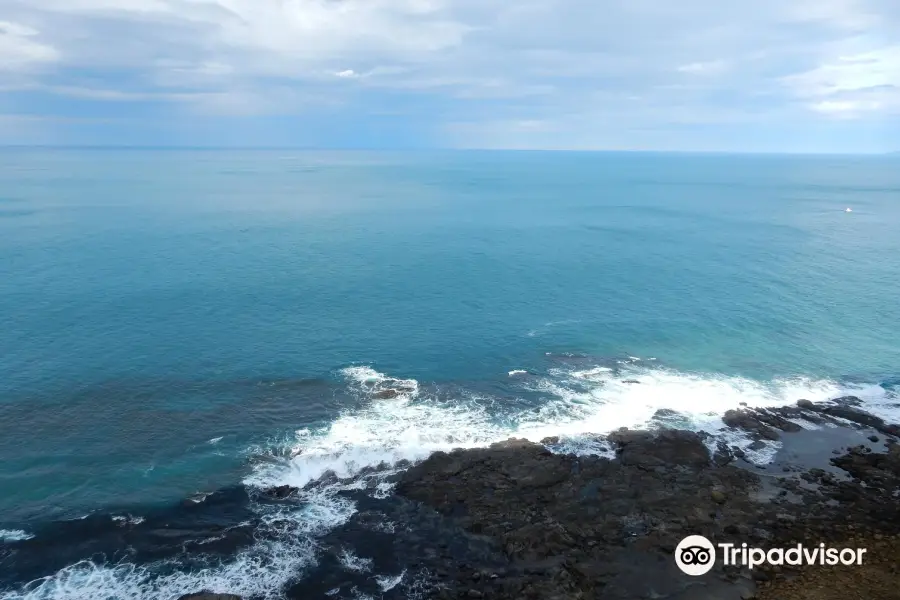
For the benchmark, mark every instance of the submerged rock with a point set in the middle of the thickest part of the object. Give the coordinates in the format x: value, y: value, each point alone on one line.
x: 209, y: 596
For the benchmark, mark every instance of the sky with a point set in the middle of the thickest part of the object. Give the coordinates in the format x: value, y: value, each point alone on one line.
x: 661, y: 75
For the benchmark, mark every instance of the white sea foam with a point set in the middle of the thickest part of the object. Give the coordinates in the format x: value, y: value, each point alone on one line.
x: 384, y: 432
x: 387, y: 583
x: 368, y: 378
x: 578, y: 403
x: 286, y: 544
x: 127, y: 520
x: 14, y: 535
x: 215, y: 440
x: 515, y: 372
x: 413, y: 425
x: 352, y: 562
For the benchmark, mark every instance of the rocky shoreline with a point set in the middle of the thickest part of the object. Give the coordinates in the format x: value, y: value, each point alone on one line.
x: 517, y: 521
x: 585, y: 527
x: 588, y: 527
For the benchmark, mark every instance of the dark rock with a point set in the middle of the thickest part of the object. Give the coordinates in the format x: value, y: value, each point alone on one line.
x: 723, y: 454
x: 848, y: 401
x: 749, y: 422
x: 666, y: 413
x: 873, y: 438
x: 280, y: 492
x: 806, y: 404
x: 592, y: 528
x: 666, y: 447
x: 387, y: 394
x: 861, y: 417
x: 630, y: 381
x: 209, y: 596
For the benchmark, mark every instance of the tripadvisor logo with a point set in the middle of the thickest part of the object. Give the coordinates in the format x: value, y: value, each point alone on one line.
x: 695, y: 555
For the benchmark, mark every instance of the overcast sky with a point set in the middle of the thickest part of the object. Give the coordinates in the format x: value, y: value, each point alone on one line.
x: 696, y: 75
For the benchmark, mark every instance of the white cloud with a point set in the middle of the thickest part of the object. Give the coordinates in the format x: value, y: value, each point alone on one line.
x: 845, y: 107
x: 852, y: 85
x: 703, y: 68
x: 20, y: 50
x: 571, y: 65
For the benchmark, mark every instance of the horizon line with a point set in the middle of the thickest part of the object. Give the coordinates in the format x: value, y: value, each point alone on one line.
x: 434, y: 149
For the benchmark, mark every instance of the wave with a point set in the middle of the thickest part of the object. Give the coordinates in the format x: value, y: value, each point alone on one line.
x: 400, y: 422
x: 14, y: 535
x: 578, y: 404
x: 285, y: 544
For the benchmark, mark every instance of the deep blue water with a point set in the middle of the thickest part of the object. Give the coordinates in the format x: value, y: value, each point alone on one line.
x: 153, y: 301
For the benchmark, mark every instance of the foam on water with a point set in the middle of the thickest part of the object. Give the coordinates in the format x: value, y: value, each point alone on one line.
x: 286, y: 544
x: 367, y: 378
x: 127, y: 520
x: 14, y: 535
x: 352, y: 562
x: 384, y: 432
x: 579, y: 404
x: 409, y: 426
x: 387, y: 582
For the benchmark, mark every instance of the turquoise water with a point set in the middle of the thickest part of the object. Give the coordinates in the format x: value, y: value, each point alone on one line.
x: 167, y: 318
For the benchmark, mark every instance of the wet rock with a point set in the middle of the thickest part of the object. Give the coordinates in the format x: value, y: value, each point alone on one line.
x: 723, y: 454
x: 666, y: 447
x: 847, y: 401
x: 593, y: 528
x: 854, y: 415
x: 387, y: 394
x: 562, y: 528
x: 280, y: 492
x: 806, y: 405
x: 749, y: 422
x: 209, y: 596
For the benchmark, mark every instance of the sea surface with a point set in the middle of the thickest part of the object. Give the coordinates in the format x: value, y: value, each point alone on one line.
x: 176, y: 322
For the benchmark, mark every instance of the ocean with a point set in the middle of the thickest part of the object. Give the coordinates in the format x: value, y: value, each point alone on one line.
x: 177, y: 322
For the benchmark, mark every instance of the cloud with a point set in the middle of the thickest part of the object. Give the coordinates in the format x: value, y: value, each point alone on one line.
x: 703, y: 68
x: 849, y: 73
x: 852, y: 85
x: 582, y: 69
x: 20, y: 49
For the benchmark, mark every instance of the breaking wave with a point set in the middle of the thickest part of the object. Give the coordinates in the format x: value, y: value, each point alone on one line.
x: 399, y: 422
